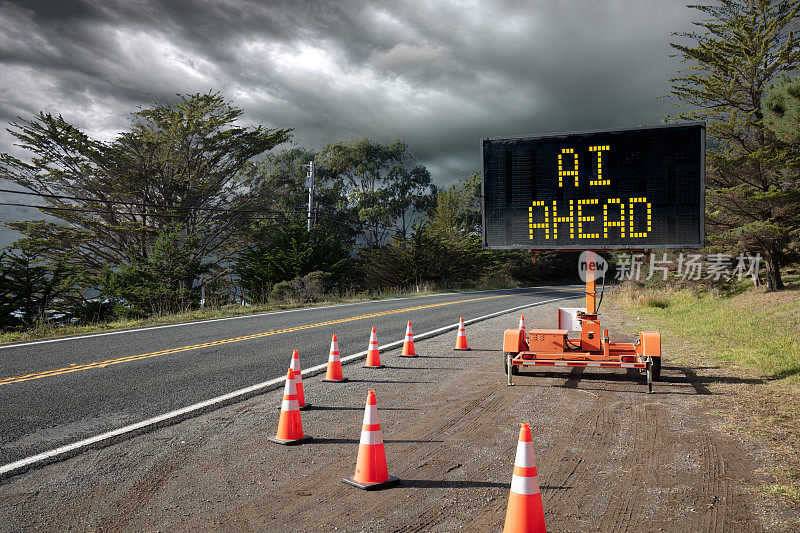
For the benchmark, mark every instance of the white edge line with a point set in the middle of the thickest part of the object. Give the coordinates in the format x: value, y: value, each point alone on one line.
x: 149, y: 328
x: 62, y: 452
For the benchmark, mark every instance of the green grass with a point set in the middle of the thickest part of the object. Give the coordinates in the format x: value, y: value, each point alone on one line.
x: 754, y: 329
x: 655, y: 301
x: 784, y: 491
x: 792, y: 280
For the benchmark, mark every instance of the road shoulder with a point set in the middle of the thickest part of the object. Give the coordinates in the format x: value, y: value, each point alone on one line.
x: 610, y: 457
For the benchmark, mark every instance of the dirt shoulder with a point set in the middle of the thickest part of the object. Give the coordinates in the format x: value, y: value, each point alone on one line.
x: 758, y: 399
x: 610, y: 457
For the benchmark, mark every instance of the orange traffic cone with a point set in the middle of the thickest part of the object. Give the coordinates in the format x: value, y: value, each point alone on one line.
x: 522, y: 323
x: 408, y: 345
x: 524, y: 512
x: 290, y: 427
x: 334, y: 372
x: 298, y: 379
x: 372, y: 472
x: 373, y: 357
x: 461, y: 340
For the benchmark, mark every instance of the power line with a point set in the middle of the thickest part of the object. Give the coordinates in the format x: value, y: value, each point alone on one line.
x: 172, y: 215
x: 167, y: 215
x: 141, y: 204
x: 249, y: 217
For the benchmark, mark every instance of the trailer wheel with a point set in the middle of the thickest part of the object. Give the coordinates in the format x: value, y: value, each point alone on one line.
x: 514, y: 369
x: 655, y: 368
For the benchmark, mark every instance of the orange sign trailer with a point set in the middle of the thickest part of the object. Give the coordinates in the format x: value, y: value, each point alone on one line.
x: 547, y: 192
x: 554, y: 347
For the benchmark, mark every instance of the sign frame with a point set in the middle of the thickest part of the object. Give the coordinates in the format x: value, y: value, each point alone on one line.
x: 572, y: 247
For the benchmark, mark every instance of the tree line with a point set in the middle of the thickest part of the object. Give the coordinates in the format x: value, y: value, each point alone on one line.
x: 736, y: 78
x: 185, y: 208
x: 188, y: 207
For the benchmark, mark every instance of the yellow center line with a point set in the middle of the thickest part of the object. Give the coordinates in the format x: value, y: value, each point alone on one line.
x: 127, y: 359
x: 170, y: 351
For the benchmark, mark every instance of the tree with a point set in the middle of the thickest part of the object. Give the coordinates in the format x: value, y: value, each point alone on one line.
x: 781, y: 109
x: 380, y: 184
x: 285, y: 250
x: 180, y: 167
x: 32, y: 287
x: 424, y: 257
x: 456, y: 214
x: 443, y: 248
x: 283, y: 175
x: 412, y: 191
x: 161, y: 282
x: 751, y: 196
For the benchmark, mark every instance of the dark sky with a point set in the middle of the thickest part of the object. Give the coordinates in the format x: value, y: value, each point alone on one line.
x: 439, y: 75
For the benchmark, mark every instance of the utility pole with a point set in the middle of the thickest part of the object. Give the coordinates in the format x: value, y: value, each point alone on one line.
x: 310, y: 185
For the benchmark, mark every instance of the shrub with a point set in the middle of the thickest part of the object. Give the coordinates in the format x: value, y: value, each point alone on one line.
x: 312, y: 287
x: 283, y: 291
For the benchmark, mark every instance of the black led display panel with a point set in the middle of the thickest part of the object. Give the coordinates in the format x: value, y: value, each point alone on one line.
x: 638, y: 188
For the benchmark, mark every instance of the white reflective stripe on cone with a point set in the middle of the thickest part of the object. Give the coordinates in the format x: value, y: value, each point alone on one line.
x: 525, y: 485
x: 371, y: 437
x: 290, y: 389
x: 334, y: 355
x: 371, y: 415
x: 524, y: 456
x: 295, y: 364
x: 290, y: 405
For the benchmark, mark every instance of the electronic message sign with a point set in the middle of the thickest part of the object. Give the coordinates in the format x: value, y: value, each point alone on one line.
x: 637, y: 188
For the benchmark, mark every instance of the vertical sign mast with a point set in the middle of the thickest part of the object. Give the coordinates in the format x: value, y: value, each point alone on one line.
x: 310, y: 184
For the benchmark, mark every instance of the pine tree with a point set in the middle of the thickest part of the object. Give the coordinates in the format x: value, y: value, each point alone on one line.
x: 752, y: 200
x: 781, y: 107
x: 180, y: 167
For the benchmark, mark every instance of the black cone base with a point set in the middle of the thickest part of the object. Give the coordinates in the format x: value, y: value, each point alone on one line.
x: 372, y: 366
x: 294, y: 442
x: 372, y: 486
x: 334, y: 380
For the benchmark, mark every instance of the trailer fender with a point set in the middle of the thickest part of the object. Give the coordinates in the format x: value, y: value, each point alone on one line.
x: 649, y: 344
x: 514, y: 341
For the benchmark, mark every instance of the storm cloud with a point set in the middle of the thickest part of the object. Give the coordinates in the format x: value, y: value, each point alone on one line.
x: 438, y: 75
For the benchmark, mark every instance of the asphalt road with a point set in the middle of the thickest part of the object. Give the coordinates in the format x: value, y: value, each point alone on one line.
x: 55, y: 393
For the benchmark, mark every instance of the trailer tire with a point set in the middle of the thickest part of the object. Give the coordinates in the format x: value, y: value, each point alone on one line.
x: 514, y: 369
x: 655, y: 368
